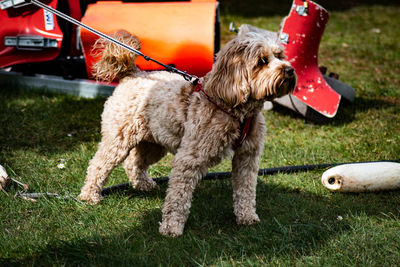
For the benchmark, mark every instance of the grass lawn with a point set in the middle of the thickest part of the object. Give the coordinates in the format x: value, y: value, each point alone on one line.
x: 301, y: 222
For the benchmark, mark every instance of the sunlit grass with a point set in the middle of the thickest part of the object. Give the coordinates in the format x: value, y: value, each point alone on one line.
x: 300, y: 219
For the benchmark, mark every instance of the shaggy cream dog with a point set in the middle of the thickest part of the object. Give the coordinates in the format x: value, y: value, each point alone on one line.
x: 152, y: 113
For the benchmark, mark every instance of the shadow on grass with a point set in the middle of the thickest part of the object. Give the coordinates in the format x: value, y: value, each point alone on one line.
x: 294, y: 223
x: 346, y: 112
x: 48, y: 123
x: 255, y: 8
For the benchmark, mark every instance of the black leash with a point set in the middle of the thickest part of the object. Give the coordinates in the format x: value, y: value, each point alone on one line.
x: 225, y: 175
x: 184, y: 74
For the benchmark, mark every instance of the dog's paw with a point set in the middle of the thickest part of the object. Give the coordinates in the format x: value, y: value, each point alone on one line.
x: 145, y: 185
x: 93, y: 198
x: 171, y: 229
x: 248, y: 219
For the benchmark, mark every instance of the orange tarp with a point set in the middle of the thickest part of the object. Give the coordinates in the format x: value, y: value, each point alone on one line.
x: 177, y: 33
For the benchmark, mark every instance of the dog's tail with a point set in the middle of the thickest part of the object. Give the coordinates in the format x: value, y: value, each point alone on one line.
x: 115, y: 61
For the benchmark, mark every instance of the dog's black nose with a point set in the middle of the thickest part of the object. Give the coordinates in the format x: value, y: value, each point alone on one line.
x: 289, y: 71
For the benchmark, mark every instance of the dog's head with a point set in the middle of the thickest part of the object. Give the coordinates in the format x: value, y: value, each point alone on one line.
x: 252, y: 65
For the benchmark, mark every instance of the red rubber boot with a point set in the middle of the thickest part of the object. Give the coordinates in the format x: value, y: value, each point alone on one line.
x: 301, y: 34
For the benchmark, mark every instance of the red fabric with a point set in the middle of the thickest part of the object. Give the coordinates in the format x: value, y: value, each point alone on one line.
x: 244, y: 130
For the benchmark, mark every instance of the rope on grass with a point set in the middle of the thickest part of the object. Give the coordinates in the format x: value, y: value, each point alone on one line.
x: 165, y: 179
x: 224, y: 175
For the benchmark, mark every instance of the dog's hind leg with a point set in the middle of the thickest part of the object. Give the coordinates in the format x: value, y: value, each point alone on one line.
x: 245, y: 166
x: 138, y: 162
x: 110, y: 153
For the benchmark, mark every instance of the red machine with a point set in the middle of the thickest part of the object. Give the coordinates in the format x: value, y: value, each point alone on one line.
x: 301, y: 34
x: 316, y: 96
x: 29, y: 34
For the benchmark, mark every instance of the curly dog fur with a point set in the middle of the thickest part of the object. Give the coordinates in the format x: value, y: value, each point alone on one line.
x: 152, y: 113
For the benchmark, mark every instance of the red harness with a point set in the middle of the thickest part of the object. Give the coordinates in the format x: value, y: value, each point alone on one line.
x: 244, y: 125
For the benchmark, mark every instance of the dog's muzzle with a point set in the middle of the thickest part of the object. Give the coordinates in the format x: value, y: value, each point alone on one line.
x: 283, y: 83
x: 289, y: 82
x: 289, y: 72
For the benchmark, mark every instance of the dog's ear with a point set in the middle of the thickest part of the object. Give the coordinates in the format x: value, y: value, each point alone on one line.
x: 243, y: 29
x: 229, y: 76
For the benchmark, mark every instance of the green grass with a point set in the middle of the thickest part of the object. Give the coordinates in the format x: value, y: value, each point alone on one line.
x: 299, y: 217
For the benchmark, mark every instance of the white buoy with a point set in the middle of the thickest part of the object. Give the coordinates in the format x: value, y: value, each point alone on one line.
x: 361, y: 177
x: 4, y: 179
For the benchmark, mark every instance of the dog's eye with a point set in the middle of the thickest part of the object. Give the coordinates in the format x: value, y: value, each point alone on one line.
x: 263, y: 61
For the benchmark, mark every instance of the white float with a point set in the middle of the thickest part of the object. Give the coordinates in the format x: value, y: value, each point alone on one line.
x: 4, y: 179
x: 362, y: 177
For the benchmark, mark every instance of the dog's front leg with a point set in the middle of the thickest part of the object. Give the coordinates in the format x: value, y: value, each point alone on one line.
x: 196, y: 153
x: 185, y: 174
x: 245, y: 166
